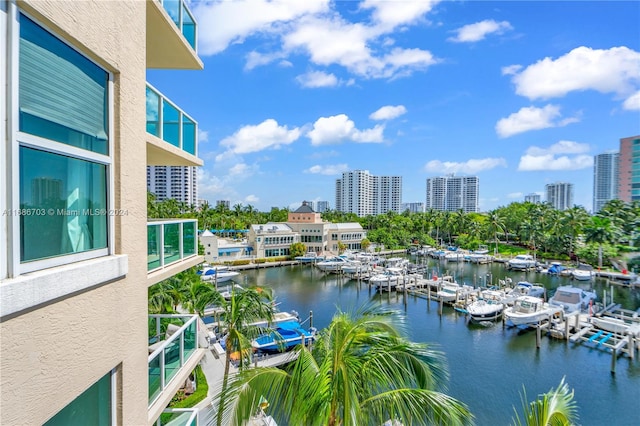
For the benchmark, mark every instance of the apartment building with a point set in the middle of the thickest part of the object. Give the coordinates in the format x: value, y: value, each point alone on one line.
x: 177, y: 182
x: 361, y: 193
x: 605, y: 179
x: 453, y: 193
x: 560, y: 195
x: 629, y: 171
x: 77, y: 253
x: 322, y: 206
x: 413, y: 207
x: 532, y: 198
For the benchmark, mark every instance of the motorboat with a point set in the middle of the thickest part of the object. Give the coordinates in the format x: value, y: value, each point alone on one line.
x: 485, y: 310
x: 571, y: 298
x: 388, y: 279
x: 615, y: 325
x: 522, y: 262
x: 556, y: 268
x: 450, y: 292
x: 285, y: 336
x: 528, y: 310
x: 310, y: 256
x: 217, y: 273
x: 356, y: 267
x: 524, y: 288
x: 454, y: 256
x: 333, y: 264
x: 583, y: 272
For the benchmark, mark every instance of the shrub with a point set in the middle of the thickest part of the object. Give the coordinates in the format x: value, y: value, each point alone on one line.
x: 202, y: 389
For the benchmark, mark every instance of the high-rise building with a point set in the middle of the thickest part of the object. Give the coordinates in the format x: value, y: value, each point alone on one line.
x: 225, y: 203
x: 453, y: 193
x: 532, y: 198
x: 605, y: 179
x: 76, y: 119
x: 364, y: 194
x: 177, y: 182
x: 629, y: 169
x: 323, y: 206
x: 413, y: 207
x: 560, y: 195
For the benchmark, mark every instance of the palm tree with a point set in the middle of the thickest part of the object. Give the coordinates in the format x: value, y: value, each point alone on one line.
x: 599, y: 231
x: 165, y: 296
x: 554, y: 408
x: 495, y: 224
x: 361, y: 370
x: 244, y: 307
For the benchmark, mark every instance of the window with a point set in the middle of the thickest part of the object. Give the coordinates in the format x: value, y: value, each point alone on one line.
x: 59, y: 207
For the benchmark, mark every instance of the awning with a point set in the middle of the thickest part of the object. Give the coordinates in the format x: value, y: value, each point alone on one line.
x: 229, y: 250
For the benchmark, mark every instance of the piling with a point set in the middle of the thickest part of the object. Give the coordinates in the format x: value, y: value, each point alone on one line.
x: 538, y: 335
x: 310, y: 319
x: 614, y: 353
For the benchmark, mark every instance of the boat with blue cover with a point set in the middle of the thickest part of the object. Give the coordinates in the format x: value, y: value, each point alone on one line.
x: 285, y: 336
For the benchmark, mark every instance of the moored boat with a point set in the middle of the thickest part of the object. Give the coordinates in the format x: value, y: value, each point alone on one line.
x: 529, y: 310
x: 217, y: 273
x: 571, y: 298
x: 285, y: 336
x: 522, y: 262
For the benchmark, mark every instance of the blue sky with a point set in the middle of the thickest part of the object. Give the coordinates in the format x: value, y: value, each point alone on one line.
x: 520, y: 94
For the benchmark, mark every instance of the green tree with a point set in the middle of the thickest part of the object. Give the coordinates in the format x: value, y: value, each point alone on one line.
x: 297, y: 249
x: 244, y: 308
x: 554, y: 408
x: 600, y: 231
x: 361, y: 370
x: 365, y: 244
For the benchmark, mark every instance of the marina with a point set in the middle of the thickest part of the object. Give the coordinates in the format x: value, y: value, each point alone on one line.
x: 597, y: 363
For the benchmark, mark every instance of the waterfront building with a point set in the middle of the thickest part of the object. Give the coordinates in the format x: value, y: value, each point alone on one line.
x: 532, y: 198
x: 74, y: 316
x: 361, y: 193
x: 629, y: 169
x: 219, y: 249
x: 453, y: 193
x: 322, y: 206
x: 306, y: 226
x: 605, y: 179
x: 177, y: 182
x: 560, y: 195
x: 413, y: 207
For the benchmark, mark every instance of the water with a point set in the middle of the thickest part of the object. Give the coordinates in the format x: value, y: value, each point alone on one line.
x: 488, y: 365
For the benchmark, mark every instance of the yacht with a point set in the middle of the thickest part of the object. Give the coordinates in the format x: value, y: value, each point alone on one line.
x: 524, y: 288
x: 522, y: 262
x: 388, y: 279
x: 571, y: 298
x: 529, y: 310
x: 583, y: 272
x: 332, y: 264
x: 218, y: 274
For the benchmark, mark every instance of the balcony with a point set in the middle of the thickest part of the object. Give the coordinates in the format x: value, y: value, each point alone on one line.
x: 172, y: 247
x: 172, y: 135
x: 172, y: 35
x: 174, y: 353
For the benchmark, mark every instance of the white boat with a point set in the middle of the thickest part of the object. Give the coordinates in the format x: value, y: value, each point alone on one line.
x: 218, y: 274
x: 454, y: 256
x: 485, y: 310
x: 356, y: 267
x: 522, y: 262
x: 452, y: 291
x: 529, y: 310
x: 615, y: 325
x: 388, y: 279
x: 583, y: 273
x: 571, y: 298
x: 332, y: 264
x: 310, y: 256
x: 524, y: 288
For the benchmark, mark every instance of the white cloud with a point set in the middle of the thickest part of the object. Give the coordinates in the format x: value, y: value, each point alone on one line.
x: 256, y: 59
x: 203, y: 136
x: 614, y: 70
x: 315, y: 79
x: 388, y: 112
x: 479, y: 30
x: 532, y: 118
x: 632, y: 102
x: 221, y: 23
x: 337, y: 128
x: 332, y: 169
x: 238, y: 169
x: 573, y: 157
x: 390, y: 14
x: 251, y: 199
x: 265, y: 135
x: 511, y: 69
x: 515, y: 195
x: 469, y: 167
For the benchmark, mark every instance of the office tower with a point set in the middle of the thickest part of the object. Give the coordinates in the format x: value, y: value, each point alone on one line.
x: 605, y: 179
x: 532, y: 198
x: 629, y: 169
x: 413, y: 207
x: 177, y: 182
x: 364, y: 194
x: 74, y: 280
x: 323, y: 206
x: 560, y: 195
x: 453, y: 193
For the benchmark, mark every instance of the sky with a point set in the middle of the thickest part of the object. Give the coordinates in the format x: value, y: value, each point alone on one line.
x: 296, y: 92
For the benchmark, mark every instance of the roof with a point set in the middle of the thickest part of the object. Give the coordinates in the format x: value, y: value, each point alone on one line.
x: 305, y: 208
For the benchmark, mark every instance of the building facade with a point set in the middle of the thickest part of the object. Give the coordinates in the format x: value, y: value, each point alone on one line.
x: 224, y: 203
x: 322, y: 206
x: 75, y: 270
x: 605, y: 179
x: 361, y: 193
x: 177, y: 182
x: 453, y: 193
x: 629, y: 169
x: 532, y: 198
x: 560, y: 195
x: 413, y: 207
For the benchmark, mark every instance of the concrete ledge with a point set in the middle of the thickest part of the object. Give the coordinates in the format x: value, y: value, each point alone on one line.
x: 33, y: 289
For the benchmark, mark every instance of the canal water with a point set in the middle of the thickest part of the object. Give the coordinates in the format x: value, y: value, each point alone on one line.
x: 488, y: 365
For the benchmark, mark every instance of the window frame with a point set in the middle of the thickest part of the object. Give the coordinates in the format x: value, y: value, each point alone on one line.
x: 17, y: 139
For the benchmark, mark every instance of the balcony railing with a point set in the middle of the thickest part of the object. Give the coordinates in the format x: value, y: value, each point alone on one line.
x: 178, y: 417
x: 174, y: 342
x: 182, y: 17
x: 170, y: 241
x: 169, y: 123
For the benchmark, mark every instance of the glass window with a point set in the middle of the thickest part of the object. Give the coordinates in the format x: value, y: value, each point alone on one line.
x: 64, y: 204
x: 63, y: 95
x: 153, y: 117
x: 170, y: 123
x: 92, y: 407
